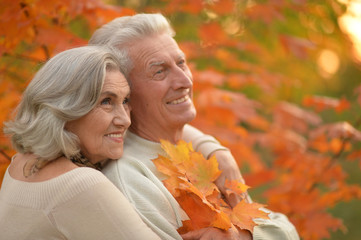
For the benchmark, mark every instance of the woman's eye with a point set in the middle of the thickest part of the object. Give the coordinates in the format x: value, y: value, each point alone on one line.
x: 105, y: 101
x: 126, y: 100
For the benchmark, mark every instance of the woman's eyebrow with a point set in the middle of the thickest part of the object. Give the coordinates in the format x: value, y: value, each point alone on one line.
x: 112, y: 94
x: 107, y: 93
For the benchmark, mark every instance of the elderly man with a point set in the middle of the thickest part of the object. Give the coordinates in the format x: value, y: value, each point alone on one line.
x: 161, y: 102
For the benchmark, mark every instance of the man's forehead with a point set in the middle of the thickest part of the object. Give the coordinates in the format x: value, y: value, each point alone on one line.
x: 164, y: 58
x: 155, y: 50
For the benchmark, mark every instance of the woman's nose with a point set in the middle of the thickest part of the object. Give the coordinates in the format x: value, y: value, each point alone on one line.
x: 122, y: 116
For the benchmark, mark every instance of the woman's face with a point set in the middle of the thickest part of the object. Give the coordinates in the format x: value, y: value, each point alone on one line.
x: 101, y: 131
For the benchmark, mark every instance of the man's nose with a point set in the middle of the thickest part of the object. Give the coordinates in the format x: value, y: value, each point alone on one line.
x: 182, y: 78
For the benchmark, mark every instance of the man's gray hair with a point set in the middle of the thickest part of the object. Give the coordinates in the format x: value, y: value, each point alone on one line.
x: 122, y: 32
x: 66, y: 88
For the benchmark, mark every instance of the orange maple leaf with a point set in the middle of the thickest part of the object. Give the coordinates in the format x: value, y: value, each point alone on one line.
x: 202, y: 173
x: 236, y: 187
x: 201, y: 213
x: 179, y: 154
x: 243, y: 214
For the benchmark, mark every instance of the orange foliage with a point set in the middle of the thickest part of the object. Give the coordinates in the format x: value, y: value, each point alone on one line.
x: 321, y: 103
x: 212, y: 34
x: 190, y: 179
x: 222, y: 7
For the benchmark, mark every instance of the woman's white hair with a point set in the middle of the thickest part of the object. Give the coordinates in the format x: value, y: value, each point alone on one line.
x: 122, y: 32
x: 66, y: 88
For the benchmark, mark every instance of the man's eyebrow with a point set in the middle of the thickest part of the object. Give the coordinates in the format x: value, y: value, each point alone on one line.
x: 182, y: 55
x: 156, y: 63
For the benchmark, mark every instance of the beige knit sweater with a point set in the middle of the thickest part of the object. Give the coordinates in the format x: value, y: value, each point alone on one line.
x: 80, y: 204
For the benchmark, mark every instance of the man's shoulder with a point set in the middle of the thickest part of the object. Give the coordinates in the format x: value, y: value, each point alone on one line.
x: 126, y: 169
x: 125, y: 164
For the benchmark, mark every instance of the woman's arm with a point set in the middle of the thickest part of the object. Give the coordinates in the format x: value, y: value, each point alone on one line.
x: 203, y: 143
x: 101, y: 212
x: 277, y: 227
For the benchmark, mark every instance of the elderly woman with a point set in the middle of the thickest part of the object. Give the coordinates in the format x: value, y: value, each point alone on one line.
x: 72, y: 118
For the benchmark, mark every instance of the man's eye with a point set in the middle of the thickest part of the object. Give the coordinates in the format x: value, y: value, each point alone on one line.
x: 126, y: 100
x: 105, y: 101
x: 159, y: 71
x: 181, y: 62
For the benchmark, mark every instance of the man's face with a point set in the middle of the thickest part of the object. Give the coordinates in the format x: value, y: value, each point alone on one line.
x: 161, y: 95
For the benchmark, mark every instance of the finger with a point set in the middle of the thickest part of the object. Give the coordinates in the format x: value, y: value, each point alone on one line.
x: 233, y: 199
x: 196, y: 234
x: 188, y: 236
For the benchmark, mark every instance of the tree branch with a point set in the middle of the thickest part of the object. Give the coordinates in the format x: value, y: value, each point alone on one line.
x: 5, y: 155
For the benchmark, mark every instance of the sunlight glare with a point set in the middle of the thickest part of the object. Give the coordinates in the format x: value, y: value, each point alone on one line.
x: 350, y: 23
x: 328, y: 63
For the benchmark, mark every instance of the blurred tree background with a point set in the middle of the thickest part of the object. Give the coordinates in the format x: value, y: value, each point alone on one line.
x: 276, y: 81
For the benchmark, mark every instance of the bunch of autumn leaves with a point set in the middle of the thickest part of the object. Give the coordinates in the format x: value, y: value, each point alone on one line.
x: 190, y: 179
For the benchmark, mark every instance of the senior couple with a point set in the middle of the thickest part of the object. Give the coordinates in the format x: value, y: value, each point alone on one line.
x: 75, y: 113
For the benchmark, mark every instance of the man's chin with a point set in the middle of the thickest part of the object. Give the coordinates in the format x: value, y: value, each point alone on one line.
x: 185, y: 119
